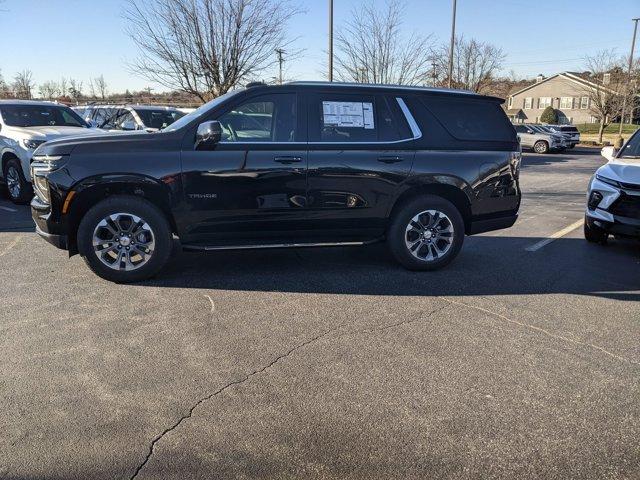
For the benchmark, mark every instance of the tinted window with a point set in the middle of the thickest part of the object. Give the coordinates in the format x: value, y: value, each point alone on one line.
x: 160, y: 118
x: 344, y: 118
x: 521, y: 129
x: 632, y: 148
x: 392, y: 123
x: 471, y: 119
x: 40, y: 116
x: 269, y: 118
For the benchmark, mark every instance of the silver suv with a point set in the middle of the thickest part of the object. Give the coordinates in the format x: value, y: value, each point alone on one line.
x: 538, y: 140
x: 131, y: 117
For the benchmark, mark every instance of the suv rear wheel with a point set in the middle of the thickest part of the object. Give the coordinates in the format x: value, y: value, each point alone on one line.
x: 19, y: 189
x: 541, y: 146
x: 124, y: 239
x: 426, y: 233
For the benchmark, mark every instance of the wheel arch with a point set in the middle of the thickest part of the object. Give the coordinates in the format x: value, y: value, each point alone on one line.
x: 6, y: 156
x: 455, y: 192
x: 93, y: 190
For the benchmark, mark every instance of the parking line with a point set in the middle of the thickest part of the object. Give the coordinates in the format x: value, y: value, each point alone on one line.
x: 8, y: 209
x: 555, y: 236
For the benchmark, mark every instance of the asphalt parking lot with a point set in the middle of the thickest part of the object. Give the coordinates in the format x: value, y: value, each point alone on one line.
x: 520, y: 360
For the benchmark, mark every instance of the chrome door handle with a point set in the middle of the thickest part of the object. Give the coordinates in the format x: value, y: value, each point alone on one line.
x: 287, y: 160
x: 391, y: 159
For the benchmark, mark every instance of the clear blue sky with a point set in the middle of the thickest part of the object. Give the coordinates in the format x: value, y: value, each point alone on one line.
x: 86, y: 38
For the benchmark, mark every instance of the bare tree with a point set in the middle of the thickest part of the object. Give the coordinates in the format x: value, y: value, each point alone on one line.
x: 604, y: 87
x: 206, y: 47
x: 23, y: 85
x: 75, y: 90
x: 100, y: 85
x: 49, y: 90
x: 475, y: 64
x: 63, y: 85
x: 5, y: 92
x: 371, y: 48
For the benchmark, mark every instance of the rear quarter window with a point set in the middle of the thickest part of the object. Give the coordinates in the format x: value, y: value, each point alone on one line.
x: 471, y: 119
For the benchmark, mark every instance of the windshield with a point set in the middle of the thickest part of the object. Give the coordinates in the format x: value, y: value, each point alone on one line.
x: 198, y: 112
x: 632, y: 147
x: 40, y: 116
x: 160, y: 118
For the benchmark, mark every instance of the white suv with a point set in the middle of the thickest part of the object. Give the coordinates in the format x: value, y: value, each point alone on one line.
x: 130, y: 117
x: 24, y: 126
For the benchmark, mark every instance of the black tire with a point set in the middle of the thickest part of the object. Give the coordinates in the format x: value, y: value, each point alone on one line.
x: 594, y: 234
x: 145, y: 210
x: 398, y: 235
x: 541, y: 147
x: 18, y: 189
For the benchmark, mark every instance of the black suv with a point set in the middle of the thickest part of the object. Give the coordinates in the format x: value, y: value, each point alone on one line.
x: 296, y: 165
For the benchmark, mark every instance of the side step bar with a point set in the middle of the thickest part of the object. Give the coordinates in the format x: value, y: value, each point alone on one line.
x: 209, y: 248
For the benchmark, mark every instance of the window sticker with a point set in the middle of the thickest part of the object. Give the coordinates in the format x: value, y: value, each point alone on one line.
x: 348, y: 114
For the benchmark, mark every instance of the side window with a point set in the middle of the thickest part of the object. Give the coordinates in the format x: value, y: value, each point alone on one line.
x: 632, y: 148
x: 125, y: 121
x: 471, y: 119
x: 392, y: 124
x: 344, y: 118
x: 269, y: 118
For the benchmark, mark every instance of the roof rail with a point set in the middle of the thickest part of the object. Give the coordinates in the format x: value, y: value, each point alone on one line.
x: 255, y: 84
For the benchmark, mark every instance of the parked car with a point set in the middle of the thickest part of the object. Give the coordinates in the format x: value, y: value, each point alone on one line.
x: 539, y: 142
x: 571, y: 132
x: 613, y: 197
x: 131, y: 117
x: 544, y: 129
x: 25, y: 125
x: 294, y: 165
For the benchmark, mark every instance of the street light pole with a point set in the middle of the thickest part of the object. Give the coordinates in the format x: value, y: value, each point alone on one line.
x: 453, y: 39
x: 331, y: 40
x: 626, y: 88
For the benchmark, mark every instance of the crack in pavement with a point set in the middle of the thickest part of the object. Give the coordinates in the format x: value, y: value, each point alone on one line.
x: 222, y: 389
x: 543, y: 331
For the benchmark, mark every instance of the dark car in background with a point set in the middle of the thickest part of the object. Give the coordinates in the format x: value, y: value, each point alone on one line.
x: 297, y: 165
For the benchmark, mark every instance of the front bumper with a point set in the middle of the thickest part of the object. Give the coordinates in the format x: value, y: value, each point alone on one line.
x: 626, y: 227
x: 50, y: 231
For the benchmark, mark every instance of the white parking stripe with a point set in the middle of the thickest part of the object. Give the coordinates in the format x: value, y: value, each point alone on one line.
x: 8, y: 209
x: 555, y: 236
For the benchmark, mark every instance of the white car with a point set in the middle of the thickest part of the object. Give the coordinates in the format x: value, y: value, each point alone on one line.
x: 150, y: 118
x: 613, y: 198
x: 24, y: 126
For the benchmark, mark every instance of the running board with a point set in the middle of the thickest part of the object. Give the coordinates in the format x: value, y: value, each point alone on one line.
x: 209, y: 248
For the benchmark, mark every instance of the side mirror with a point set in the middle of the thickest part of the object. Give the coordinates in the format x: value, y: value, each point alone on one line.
x: 208, y: 134
x: 609, y: 153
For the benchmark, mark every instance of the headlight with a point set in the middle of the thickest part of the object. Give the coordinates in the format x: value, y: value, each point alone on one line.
x: 608, y: 181
x: 32, y: 144
x: 40, y: 182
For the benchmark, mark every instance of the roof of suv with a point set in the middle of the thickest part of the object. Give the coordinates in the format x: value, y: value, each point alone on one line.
x: 128, y: 105
x: 366, y: 86
x: 30, y: 102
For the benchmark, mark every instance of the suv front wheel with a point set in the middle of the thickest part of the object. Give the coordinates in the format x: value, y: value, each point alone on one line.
x: 426, y: 233
x: 125, y: 239
x: 541, y: 147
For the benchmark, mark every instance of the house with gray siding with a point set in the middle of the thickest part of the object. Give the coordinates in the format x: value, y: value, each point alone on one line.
x: 567, y: 92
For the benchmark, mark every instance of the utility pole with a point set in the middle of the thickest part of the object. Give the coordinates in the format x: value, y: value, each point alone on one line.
x: 626, y: 88
x: 434, y: 74
x: 280, y: 52
x: 331, y: 40
x: 453, y: 40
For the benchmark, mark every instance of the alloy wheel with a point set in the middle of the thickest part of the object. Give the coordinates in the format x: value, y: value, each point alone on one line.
x: 123, y: 241
x: 429, y: 235
x: 13, y: 182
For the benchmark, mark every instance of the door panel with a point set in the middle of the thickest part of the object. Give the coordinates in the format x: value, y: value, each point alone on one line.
x: 351, y: 183
x: 252, y: 184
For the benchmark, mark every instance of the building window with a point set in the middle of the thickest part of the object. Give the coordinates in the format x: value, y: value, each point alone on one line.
x: 584, y: 103
x: 528, y: 103
x: 544, y: 102
x: 566, y: 103
x: 510, y: 102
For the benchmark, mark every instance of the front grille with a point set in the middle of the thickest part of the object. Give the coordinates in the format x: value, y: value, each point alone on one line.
x: 629, y: 186
x: 626, y: 206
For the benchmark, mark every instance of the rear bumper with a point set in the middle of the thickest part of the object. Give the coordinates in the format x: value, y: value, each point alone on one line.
x: 481, y: 226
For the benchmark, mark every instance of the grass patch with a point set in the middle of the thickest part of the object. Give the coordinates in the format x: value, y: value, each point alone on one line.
x: 592, y: 128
